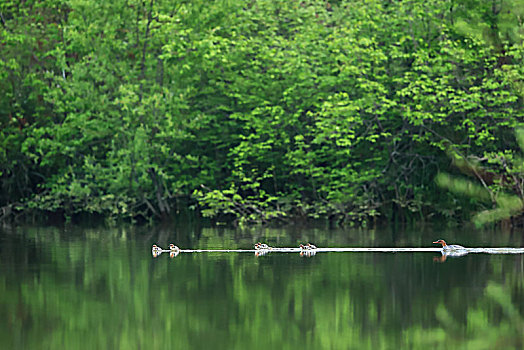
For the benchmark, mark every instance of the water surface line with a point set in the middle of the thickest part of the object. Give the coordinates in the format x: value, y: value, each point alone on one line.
x: 505, y: 250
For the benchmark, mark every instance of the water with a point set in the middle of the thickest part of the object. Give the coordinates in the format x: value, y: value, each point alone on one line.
x: 78, y: 288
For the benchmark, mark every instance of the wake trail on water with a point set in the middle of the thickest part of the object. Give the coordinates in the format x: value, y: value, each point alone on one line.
x: 358, y: 249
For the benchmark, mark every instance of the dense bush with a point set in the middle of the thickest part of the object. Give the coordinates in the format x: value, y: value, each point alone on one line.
x: 253, y: 111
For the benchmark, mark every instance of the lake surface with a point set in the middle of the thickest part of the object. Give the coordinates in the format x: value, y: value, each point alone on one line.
x: 83, y: 288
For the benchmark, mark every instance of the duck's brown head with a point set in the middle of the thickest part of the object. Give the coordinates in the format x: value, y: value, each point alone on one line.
x: 441, y: 241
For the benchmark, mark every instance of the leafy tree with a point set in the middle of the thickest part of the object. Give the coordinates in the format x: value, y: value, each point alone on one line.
x: 259, y: 111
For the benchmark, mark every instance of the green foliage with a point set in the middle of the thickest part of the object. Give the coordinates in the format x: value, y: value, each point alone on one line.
x: 499, y: 184
x: 252, y: 111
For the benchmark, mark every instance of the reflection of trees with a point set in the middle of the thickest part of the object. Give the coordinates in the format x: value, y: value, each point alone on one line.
x: 494, y: 324
x: 102, y: 290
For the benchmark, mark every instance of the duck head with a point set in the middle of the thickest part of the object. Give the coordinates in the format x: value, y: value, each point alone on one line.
x: 441, y: 241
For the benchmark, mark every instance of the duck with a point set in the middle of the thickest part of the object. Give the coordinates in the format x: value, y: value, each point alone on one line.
x: 311, y: 246
x: 174, y: 248
x: 156, y: 250
x: 261, y: 246
x: 303, y: 247
x: 446, y: 247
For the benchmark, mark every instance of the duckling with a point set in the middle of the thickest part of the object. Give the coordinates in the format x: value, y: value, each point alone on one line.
x: 261, y: 246
x: 156, y: 251
x: 174, y: 248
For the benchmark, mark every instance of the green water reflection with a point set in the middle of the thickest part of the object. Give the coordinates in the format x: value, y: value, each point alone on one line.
x: 79, y: 288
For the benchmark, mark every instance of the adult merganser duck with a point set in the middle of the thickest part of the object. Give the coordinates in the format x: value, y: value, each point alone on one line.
x: 447, y: 247
x: 303, y: 247
x: 311, y: 246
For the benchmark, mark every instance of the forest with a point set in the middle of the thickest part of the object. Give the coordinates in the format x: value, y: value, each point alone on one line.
x: 263, y: 111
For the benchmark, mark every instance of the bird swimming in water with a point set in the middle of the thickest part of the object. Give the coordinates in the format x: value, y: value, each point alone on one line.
x: 174, y: 248
x: 448, y: 247
x: 261, y: 246
x: 156, y: 250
